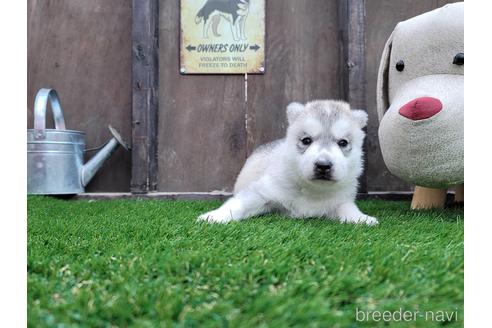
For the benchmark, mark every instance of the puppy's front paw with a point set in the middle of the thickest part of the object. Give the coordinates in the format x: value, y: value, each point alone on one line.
x: 216, y: 216
x: 369, y: 220
x: 364, y: 219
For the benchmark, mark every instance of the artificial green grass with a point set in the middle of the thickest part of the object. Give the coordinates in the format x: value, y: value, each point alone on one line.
x: 151, y: 264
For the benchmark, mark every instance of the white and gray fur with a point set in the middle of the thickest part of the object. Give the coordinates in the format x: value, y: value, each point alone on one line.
x: 285, y: 175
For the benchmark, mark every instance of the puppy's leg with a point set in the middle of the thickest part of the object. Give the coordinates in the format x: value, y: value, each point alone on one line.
x: 244, y: 204
x: 350, y: 213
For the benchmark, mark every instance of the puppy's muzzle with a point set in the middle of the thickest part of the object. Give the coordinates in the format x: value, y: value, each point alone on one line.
x: 322, y: 170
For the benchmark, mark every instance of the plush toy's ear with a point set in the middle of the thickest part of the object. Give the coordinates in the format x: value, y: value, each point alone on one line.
x: 382, y: 97
x: 293, y: 111
x: 360, y: 116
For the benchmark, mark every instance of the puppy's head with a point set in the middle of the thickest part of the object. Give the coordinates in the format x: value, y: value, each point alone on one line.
x: 325, y: 138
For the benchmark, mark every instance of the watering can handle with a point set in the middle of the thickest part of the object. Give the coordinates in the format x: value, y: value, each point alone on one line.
x: 40, y: 105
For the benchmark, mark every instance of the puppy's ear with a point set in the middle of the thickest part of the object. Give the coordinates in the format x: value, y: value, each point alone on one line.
x: 293, y: 111
x: 360, y: 117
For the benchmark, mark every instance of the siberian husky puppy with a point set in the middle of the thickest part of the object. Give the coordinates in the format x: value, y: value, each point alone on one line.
x: 312, y: 172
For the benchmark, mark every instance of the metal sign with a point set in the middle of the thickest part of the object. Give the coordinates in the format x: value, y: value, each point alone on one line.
x: 222, y: 37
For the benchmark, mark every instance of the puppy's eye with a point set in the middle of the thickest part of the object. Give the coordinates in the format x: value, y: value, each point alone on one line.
x: 400, y: 65
x: 306, y: 141
x: 342, y: 143
x: 459, y: 59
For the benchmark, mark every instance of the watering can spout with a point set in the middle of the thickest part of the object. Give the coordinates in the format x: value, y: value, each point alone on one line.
x: 94, y: 164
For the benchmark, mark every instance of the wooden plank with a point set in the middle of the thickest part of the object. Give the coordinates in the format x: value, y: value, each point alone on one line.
x: 83, y: 50
x: 145, y: 78
x: 301, y: 65
x: 356, y: 53
x: 201, y: 120
x: 222, y: 196
x: 381, y: 18
x: 156, y: 195
x: 351, y: 17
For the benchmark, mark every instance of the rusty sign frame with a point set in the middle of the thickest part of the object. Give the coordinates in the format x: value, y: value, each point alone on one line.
x: 186, y: 48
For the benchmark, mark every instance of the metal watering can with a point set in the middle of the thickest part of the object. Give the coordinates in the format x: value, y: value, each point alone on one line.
x: 55, y: 157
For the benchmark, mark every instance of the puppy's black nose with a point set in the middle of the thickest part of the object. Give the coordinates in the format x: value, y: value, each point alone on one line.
x: 323, y: 166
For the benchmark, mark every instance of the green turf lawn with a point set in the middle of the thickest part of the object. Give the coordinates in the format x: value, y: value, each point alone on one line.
x: 150, y: 263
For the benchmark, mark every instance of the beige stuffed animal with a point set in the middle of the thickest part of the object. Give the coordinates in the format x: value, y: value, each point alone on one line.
x: 420, y: 103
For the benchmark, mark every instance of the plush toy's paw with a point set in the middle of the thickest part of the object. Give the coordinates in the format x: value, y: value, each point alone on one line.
x: 364, y: 219
x: 216, y: 216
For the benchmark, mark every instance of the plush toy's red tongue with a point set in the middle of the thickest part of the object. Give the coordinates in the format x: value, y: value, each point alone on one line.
x: 421, y: 108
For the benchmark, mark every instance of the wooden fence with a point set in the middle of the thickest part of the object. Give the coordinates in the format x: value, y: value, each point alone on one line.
x: 193, y: 133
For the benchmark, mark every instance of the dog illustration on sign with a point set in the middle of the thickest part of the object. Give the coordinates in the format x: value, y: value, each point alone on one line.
x: 234, y: 12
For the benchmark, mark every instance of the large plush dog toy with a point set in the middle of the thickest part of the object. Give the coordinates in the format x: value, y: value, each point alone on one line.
x: 420, y: 103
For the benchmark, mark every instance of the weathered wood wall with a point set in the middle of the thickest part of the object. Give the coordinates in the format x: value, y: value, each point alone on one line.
x: 206, y: 129
x: 201, y: 135
x: 83, y: 50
